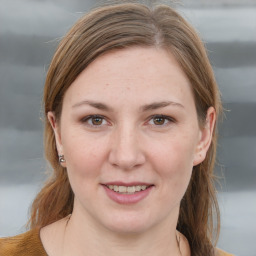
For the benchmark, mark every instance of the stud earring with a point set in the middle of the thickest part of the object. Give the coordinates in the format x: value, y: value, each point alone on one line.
x: 62, y: 159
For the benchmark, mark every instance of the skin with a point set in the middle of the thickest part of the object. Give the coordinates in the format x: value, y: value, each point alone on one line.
x: 128, y: 143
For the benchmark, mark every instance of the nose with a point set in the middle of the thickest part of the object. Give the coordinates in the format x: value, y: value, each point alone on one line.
x: 125, y: 152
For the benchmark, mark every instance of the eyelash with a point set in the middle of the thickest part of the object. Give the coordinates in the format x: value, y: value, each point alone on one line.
x: 87, y: 118
x: 166, y: 118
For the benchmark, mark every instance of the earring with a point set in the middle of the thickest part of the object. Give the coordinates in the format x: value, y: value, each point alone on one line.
x: 62, y: 159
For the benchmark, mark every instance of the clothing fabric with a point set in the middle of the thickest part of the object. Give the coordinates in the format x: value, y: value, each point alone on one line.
x: 26, y: 244
x: 29, y: 244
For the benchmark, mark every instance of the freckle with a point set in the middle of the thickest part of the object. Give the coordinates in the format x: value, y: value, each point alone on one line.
x: 128, y: 88
x: 106, y: 86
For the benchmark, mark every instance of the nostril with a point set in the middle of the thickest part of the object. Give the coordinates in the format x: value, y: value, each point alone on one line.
x: 126, y: 160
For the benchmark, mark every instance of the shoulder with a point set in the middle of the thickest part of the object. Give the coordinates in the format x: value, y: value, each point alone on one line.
x: 26, y: 244
x: 219, y: 252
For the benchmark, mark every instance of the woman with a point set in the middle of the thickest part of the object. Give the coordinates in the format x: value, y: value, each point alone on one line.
x: 131, y: 105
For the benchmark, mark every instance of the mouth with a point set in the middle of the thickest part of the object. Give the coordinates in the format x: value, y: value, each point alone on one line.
x: 127, y: 193
x: 128, y: 190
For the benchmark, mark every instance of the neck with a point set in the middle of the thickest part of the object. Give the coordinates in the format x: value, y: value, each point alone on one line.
x: 82, y: 237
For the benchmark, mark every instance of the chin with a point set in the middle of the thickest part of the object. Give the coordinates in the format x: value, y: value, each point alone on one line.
x: 128, y: 229
x: 128, y: 224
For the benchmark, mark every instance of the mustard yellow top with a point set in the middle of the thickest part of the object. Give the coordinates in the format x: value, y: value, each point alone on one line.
x: 29, y: 244
x: 26, y: 244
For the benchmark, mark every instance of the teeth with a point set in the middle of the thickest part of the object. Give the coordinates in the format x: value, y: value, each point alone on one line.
x: 131, y: 189
x: 123, y: 189
x: 127, y: 190
x: 143, y: 187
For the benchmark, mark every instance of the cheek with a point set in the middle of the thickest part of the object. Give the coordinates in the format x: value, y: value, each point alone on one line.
x: 84, y: 159
x: 174, y: 156
x: 83, y: 155
x: 174, y: 163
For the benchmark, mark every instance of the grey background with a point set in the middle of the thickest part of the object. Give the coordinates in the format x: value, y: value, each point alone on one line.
x: 29, y: 33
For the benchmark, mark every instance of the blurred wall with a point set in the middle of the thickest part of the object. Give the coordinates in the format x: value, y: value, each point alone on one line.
x: 29, y: 34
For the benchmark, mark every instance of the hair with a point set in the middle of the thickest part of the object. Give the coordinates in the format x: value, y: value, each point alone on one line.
x: 116, y: 27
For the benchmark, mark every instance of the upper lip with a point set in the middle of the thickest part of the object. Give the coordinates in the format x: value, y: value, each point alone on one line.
x: 127, y: 184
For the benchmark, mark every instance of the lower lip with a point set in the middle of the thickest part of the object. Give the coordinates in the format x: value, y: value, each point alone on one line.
x: 127, y: 198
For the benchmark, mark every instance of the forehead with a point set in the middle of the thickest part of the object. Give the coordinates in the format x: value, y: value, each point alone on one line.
x: 137, y: 73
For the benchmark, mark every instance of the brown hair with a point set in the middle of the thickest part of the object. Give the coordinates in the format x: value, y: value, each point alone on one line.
x: 116, y: 27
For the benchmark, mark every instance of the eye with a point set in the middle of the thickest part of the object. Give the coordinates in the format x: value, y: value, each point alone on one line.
x: 94, y: 120
x: 160, y: 120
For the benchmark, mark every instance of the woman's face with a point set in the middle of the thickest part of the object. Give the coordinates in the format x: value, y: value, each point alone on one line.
x: 130, y: 136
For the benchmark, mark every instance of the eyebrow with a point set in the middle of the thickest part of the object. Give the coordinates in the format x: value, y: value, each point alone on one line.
x: 162, y: 104
x: 144, y: 108
x: 94, y: 104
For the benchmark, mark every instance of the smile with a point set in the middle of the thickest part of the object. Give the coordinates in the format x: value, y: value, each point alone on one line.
x: 127, y: 189
x: 127, y: 193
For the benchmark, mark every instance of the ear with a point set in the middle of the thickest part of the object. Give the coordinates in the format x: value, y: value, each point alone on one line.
x: 56, y: 129
x: 205, y: 137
